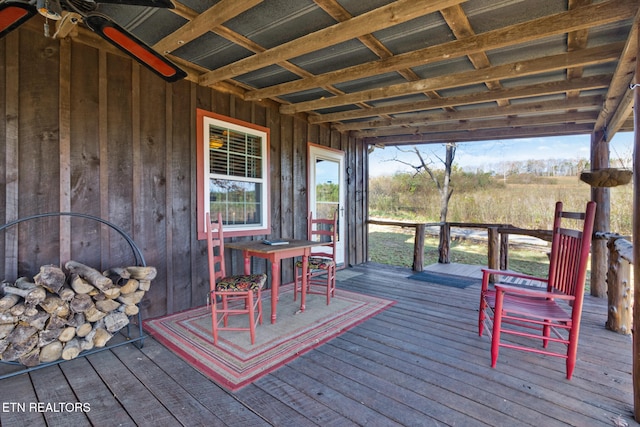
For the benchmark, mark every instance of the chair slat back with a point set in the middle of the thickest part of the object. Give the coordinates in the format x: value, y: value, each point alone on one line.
x: 570, y: 251
x: 215, y: 250
x: 323, y: 230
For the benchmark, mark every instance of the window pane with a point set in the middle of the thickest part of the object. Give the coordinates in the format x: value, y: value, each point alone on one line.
x: 234, y: 153
x: 238, y: 201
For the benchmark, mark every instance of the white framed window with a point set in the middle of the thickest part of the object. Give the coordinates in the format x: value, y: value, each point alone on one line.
x: 233, y: 174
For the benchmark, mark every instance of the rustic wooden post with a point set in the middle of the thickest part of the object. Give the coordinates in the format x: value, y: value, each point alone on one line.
x: 600, y: 195
x: 445, y: 243
x: 504, y: 251
x: 620, y: 297
x: 636, y: 241
x: 418, y: 248
x: 493, y: 239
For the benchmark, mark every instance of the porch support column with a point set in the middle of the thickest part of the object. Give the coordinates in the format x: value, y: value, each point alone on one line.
x: 601, y: 195
x: 636, y: 243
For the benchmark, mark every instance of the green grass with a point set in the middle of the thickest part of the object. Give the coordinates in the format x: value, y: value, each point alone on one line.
x: 396, y: 248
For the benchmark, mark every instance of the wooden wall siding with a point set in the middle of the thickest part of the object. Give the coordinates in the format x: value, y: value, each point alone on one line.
x: 90, y: 131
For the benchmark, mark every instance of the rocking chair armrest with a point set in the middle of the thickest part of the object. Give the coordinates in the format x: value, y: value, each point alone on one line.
x: 508, y: 289
x: 487, y: 271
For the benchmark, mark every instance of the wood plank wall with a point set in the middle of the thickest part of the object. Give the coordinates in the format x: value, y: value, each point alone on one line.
x: 90, y: 131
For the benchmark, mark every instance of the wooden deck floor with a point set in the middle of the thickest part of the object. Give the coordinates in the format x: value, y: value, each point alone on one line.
x: 419, y: 363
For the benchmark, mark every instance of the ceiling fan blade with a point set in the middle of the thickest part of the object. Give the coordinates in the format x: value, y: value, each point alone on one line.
x: 135, y: 47
x: 13, y: 14
x: 148, y: 3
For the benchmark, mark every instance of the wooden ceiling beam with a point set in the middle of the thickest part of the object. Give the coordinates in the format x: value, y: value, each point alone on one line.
x: 474, y: 125
x: 421, y: 119
x: 622, y: 78
x: 392, y: 14
x: 577, y: 19
x: 484, y: 135
x: 211, y: 18
x: 596, y: 55
x: 549, y: 88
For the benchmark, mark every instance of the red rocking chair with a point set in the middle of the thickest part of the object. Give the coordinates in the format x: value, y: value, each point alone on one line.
x: 515, y: 310
x: 321, y: 274
x: 238, y: 295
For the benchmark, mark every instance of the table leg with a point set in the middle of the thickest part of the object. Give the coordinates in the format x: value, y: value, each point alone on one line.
x: 305, y: 266
x: 275, y: 288
x: 247, y: 263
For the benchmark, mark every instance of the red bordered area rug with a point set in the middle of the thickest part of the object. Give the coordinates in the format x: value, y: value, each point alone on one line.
x: 234, y: 362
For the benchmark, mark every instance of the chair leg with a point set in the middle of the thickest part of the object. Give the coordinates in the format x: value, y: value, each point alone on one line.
x: 497, y: 325
x: 252, y: 322
x: 481, y: 315
x: 214, y: 322
x: 296, y: 281
x: 259, y: 296
x: 225, y: 307
x: 546, y: 331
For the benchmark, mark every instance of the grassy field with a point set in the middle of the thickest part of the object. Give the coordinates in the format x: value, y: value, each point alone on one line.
x: 394, y: 246
x: 522, y: 201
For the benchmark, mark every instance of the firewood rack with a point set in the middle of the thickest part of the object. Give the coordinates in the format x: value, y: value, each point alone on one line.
x: 139, y: 261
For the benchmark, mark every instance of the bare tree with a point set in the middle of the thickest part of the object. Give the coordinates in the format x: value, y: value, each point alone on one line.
x: 424, y: 167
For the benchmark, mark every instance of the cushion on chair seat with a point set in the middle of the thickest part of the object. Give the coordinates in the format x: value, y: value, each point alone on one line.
x: 318, y: 263
x: 248, y: 282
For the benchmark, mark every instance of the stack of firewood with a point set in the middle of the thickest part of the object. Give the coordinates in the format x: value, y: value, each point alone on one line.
x: 59, y: 315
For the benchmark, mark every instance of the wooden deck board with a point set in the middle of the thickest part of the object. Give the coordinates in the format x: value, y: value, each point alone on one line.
x: 421, y: 362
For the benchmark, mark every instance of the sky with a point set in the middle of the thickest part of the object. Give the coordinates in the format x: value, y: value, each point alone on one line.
x: 474, y: 155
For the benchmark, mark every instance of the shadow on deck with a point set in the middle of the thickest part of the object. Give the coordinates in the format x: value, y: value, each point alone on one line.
x: 420, y: 362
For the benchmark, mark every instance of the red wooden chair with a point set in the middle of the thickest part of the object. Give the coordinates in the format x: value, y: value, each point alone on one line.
x: 515, y: 310
x: 321, y: 274
x: 238, y: 295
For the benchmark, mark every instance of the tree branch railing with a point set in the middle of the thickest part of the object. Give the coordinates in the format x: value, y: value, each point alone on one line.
x: 619, y: 288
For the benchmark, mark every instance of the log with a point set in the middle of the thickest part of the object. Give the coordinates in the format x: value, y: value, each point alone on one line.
x: 83, y: 330
x: 81, y: 303
x: 21, y: 333
x: 619, y: 292
x: 129, y: 287
x: 129, y: 310
x: 33, y: 296
x: 7, y: 318
x: 92, y: 314
x: 142, y: 273
x: 38, y: 320
x: 113, y: 322
x: 92, y: 275
x: 71, y: 349
x: 101, y: 337
x: 56, y: 322
x: 50, y: 277
x: 18, y: 309
x: 6, y: 330
x: 86, y: 344
x: 8, y: 301
x: 132, y: 299
x: 67, y: 334
x: 52, y: 305
x: 117, y: 275
x: 107, y: 305
x: 51, y: 352
x: 31, y: 358
x: 66, y: 293
x: 81, y: 286
x: 112, y: 293
x: 48, y: 336
x: 144, y: 285
x: 15, y: 350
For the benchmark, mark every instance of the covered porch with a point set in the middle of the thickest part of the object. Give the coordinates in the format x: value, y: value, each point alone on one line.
x: 420, y: 362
